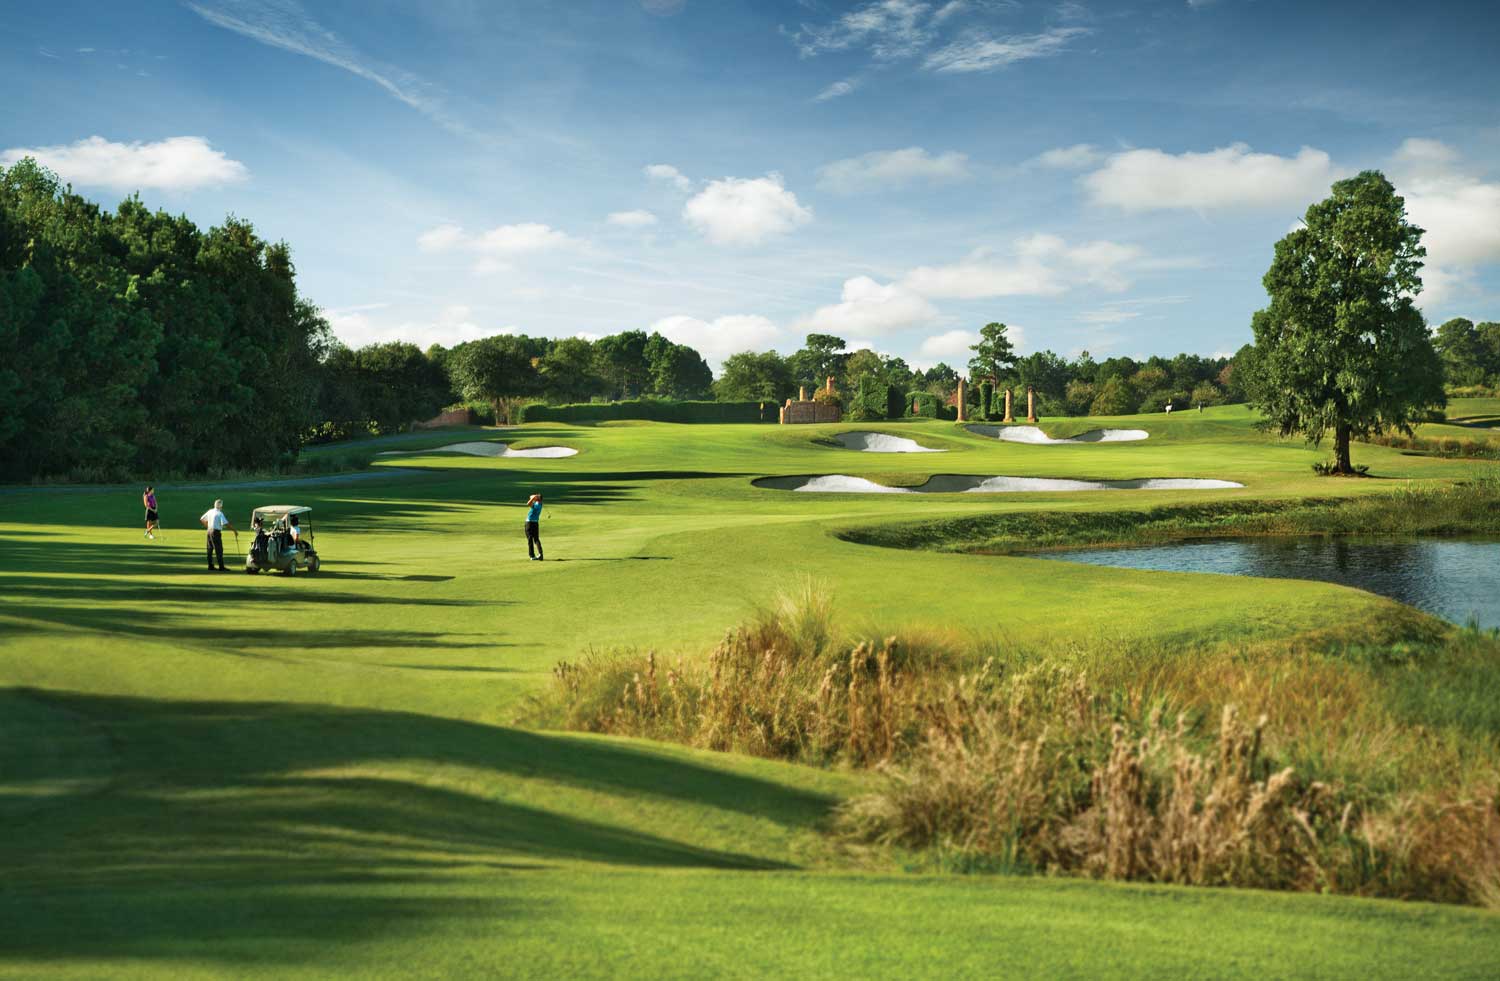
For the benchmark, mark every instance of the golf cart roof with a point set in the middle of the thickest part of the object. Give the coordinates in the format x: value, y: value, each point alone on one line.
x: 278, y: 511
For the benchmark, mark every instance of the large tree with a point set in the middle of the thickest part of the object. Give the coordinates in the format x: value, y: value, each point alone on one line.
x: 821, y: 355
x: 1471, y: 355
x: 750, y: 377
x: 621, y: 359
x: 1342, y: 347
x: 497, y: 370
x: 993, y: 355
x: 676, y: 370
x: 568, y: 371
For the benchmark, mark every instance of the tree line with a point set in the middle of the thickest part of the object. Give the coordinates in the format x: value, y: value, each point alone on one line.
x: 139, y: 343
x: 383, y: 387
x: 1063, y: 386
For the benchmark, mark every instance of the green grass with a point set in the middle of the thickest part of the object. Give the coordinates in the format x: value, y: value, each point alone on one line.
x: 213, y: 773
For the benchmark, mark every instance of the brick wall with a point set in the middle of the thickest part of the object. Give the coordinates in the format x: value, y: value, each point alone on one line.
x: 797, y: 412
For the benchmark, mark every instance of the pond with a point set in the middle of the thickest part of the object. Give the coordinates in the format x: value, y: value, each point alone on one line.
x: 1452, y: 578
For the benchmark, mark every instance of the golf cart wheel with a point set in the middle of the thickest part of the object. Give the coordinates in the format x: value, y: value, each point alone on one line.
x: 291, y: 570
x: 251, y: 570
x: 313, y: 564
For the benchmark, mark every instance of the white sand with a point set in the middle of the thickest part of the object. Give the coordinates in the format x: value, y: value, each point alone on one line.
x: 833, y: 484
x: 881, y: 443
x: 490, y: 449
x: 977, y: 484
x: 1034, y: 435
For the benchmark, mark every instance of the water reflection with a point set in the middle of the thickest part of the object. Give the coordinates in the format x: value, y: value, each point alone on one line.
x: 1452, y: 579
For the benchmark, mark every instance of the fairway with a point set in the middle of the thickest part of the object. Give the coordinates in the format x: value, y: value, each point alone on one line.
x: 206, y: 772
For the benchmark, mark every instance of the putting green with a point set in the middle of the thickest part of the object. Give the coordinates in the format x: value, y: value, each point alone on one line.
x: 209, y: 773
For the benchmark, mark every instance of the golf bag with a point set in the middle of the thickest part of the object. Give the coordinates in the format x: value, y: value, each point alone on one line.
x: 260, y: 549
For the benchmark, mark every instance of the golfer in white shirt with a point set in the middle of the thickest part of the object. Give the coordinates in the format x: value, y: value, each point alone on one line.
x: 214, y: 521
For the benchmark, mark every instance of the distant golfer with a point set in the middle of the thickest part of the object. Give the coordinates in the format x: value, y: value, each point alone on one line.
x: 533, y: 527
x: 214, y: 521
x: 149, y: 499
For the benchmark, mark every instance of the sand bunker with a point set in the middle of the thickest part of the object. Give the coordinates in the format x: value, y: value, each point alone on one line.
x: 881, y: 443
x: 950, y: 483
x: 490, y: 449
x: 1031, y: 434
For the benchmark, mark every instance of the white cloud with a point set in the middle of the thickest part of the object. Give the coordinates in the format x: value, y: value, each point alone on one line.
x: 838, y: 89
x: 1075, y: 157
x: 1460, y: 212
x: 452, y: 325
x: 947, y: 345
x: 950, y: 9
x: 1228, y: 177
x: 179, y: 163
x: 891, y: 168
x: 721, y: 337
x: 496, y: 247
x: 632, y: 219
x: 1039, y: 265
x: 523, y: 238
x: 891, y: 29
x: 1441, y: 286
x: 670, y: 174
x: 284, y: 24
x: 441, y: 238
x: 1107, y: 315
x: 979, y: 52
x: 955, y: 347
x: 867, y: 307
x: 745, y: 211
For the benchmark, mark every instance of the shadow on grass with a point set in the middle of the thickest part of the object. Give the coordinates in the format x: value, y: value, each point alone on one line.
x: 619, y: 558
x: 240, y: 806
x: 385, y: 506
x: 46, y: 589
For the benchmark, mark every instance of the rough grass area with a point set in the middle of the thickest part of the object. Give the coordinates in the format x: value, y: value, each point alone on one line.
x: 1367, y: 764
x: 1467, y: 507
x: 1453, y: 447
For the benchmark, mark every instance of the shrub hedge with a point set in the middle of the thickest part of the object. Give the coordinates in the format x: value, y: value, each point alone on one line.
x: 923, y: 404
x: 895, y: 402
x: 654, y: 410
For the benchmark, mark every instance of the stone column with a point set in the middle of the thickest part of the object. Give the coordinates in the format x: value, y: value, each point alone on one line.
x: 1030, y: 404
x: 829, y: 385
x: 802, y: 393
x: 1008, y: 416
x: 963, y: 393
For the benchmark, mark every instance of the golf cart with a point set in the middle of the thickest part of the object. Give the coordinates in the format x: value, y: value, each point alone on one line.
x: 273, y: 549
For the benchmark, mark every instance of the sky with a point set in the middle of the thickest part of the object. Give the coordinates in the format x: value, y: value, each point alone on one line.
x: 1109, y: 177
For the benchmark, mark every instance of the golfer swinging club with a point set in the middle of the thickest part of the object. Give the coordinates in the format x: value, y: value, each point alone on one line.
x: 533, y: 527
x: 149, y: 499
x: 214, y: 521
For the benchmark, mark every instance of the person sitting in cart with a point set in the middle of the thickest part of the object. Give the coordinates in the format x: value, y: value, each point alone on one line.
x: 295, y: 530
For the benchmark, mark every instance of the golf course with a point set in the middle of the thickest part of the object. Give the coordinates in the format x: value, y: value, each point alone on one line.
x: 359, y: 771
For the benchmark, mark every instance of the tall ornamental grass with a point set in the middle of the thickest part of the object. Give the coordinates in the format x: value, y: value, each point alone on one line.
x: 1362, y: 762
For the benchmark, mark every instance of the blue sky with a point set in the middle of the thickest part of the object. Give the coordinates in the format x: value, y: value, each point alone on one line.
x: 1106, y: 176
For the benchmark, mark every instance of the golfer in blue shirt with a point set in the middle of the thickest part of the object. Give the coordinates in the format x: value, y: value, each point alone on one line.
x: 533, y: 527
